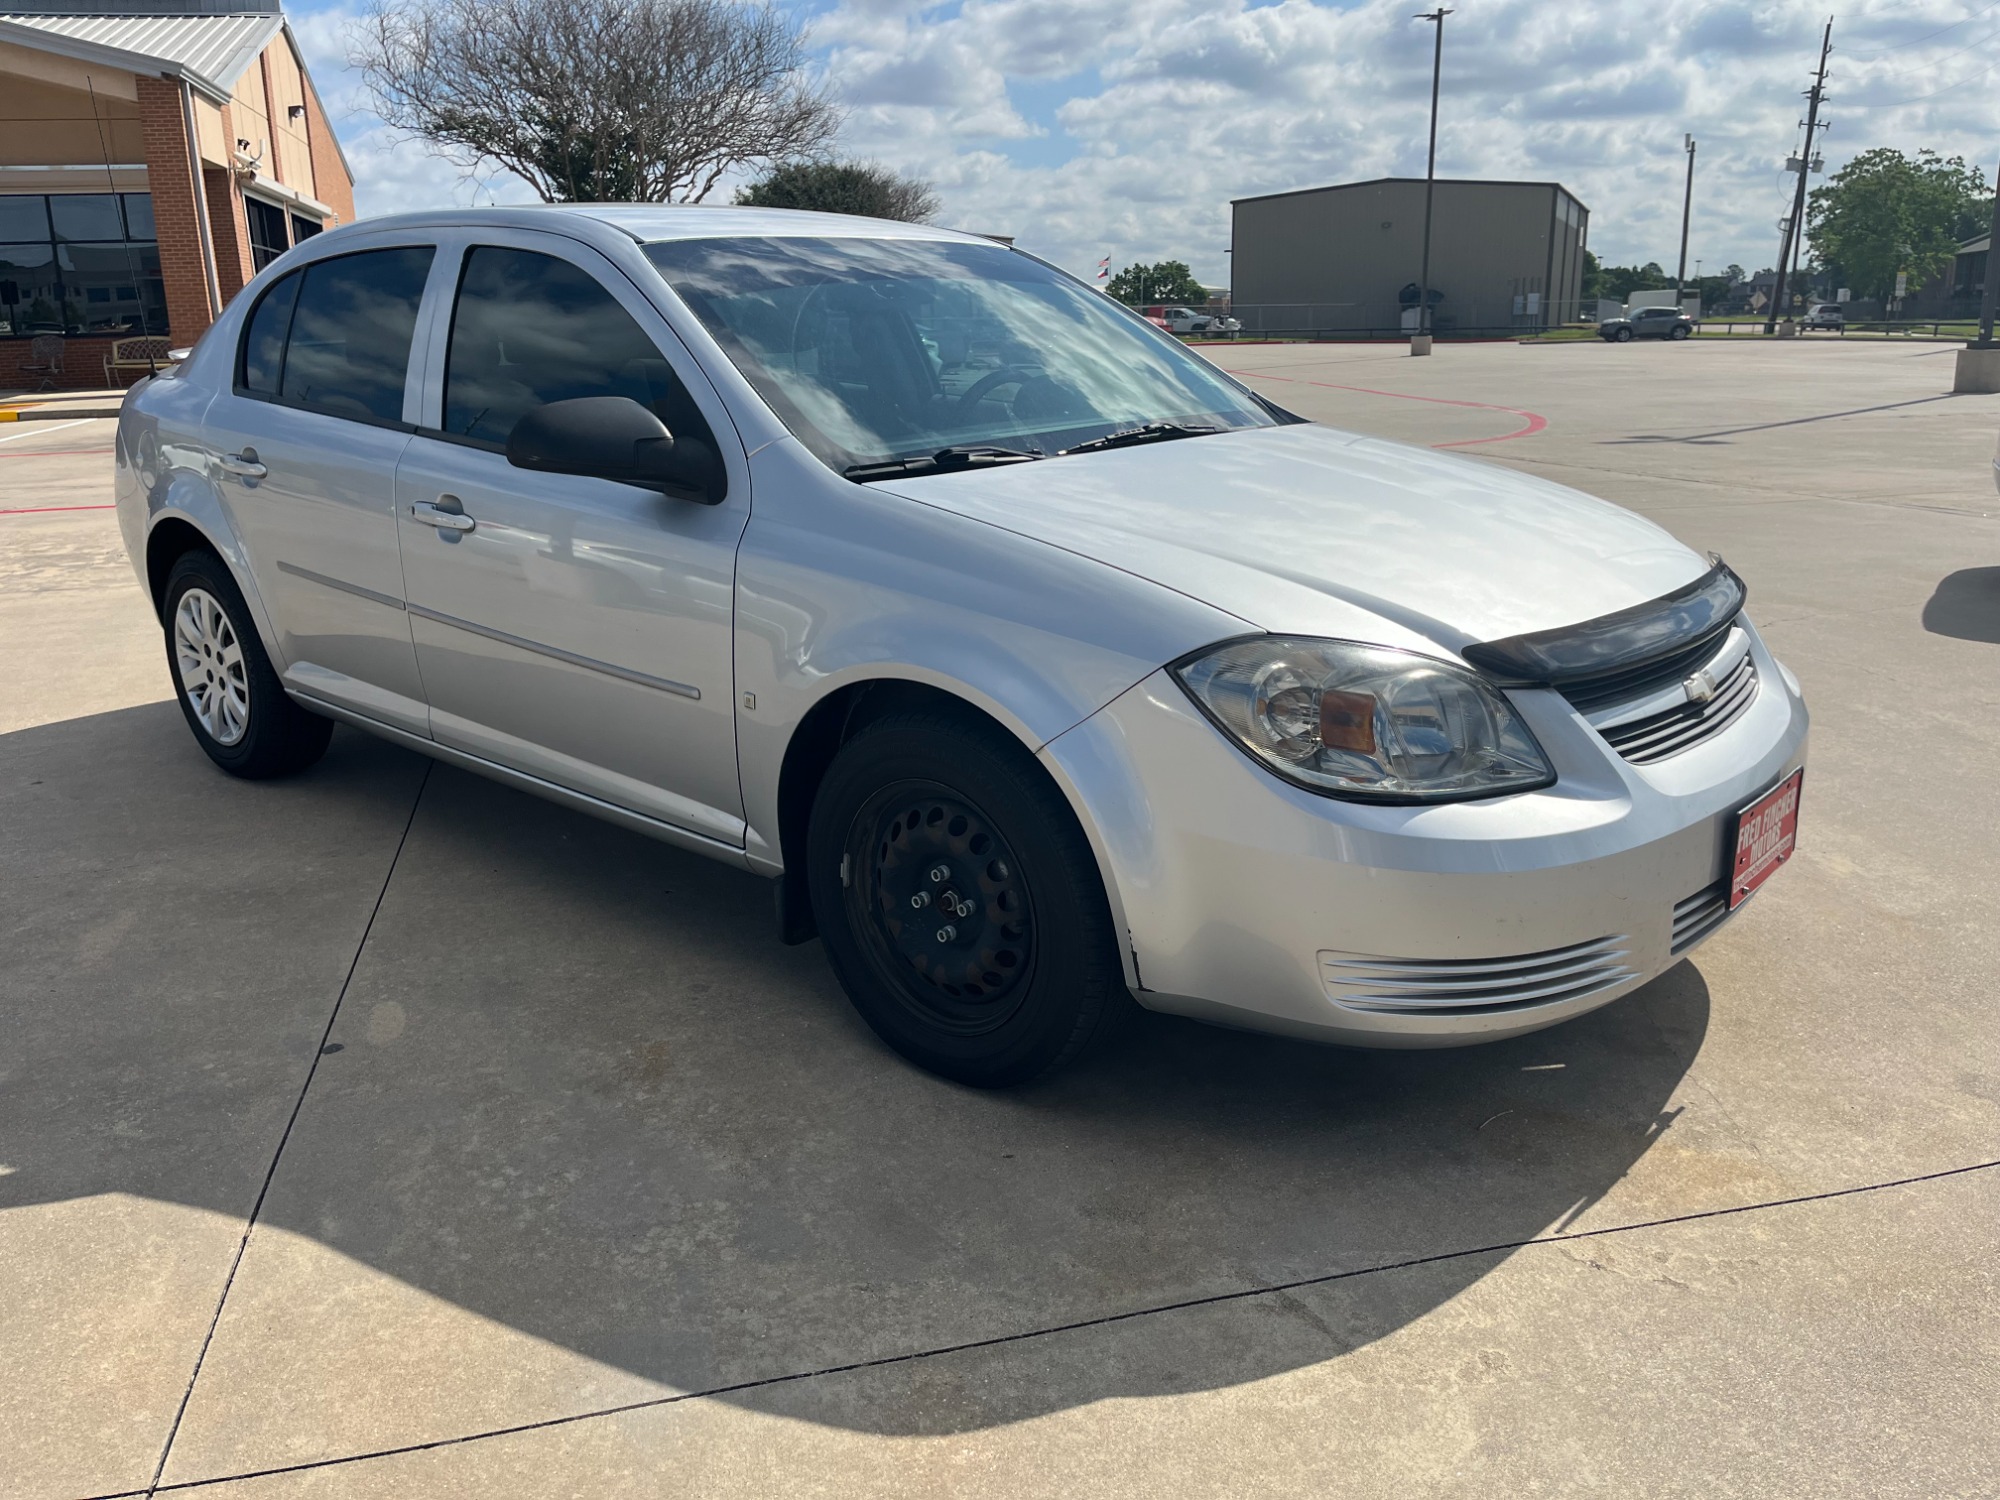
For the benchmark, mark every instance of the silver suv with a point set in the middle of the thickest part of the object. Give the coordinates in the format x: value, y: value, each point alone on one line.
x: 1038, y: 662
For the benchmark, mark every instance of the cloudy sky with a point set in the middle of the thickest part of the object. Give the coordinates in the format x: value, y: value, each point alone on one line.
x: 1124, y: 130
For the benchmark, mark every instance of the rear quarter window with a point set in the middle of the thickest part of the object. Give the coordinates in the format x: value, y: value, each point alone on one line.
x: 334, y: 337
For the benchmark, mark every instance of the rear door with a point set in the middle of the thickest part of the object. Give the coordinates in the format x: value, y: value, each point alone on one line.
x: 305, y: 442
x: 575, y: 629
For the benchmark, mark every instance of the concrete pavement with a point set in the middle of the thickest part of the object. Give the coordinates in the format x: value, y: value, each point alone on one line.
x: 566, y: 1179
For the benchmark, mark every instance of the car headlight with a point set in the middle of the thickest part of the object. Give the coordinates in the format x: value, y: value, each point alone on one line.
x: 1366, y: 722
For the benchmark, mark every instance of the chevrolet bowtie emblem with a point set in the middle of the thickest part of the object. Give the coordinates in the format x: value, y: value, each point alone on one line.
x: 1700, y: 687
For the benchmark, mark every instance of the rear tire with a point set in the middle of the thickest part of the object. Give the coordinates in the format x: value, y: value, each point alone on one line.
x: 959, y: 902
x: 1680, y: 333
x: 229, y: 694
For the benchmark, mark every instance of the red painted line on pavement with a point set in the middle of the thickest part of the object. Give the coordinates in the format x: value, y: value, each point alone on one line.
x: 1535, y: 421
x: 49, y: 510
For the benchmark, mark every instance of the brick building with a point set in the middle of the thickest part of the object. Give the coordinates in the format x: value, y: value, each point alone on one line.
x: 154, y: 155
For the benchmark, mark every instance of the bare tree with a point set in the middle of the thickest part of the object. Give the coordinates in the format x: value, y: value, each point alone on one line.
x: 843, y: 187
x: 645, y: 101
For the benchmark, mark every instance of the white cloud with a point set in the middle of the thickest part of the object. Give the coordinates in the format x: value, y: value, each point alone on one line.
x: 1126, y: 130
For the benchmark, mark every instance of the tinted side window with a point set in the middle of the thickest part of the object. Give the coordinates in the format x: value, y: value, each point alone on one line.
x: 350, y: 342
x: 530, y: 329
x: 263, y: 360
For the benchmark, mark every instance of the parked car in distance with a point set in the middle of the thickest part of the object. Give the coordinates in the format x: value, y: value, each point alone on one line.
x: 1647, y: 323
x: 1825, y: 315
x: 1038, y: 663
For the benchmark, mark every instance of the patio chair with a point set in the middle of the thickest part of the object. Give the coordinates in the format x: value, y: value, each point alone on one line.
x: 45, y: 358
x: 147, y: 353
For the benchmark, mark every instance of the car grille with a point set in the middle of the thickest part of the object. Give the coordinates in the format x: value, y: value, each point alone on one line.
x: 1595, y: 693
x: 1657, y: 736
x: 1696, y: 916
x: 1476, y: 986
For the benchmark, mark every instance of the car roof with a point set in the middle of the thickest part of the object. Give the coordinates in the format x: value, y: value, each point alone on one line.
x: 649, y: 222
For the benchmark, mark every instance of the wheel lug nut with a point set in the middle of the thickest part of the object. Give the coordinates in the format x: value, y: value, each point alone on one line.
x: 921, y: 900
x: 964, y: 908
x: 947, y: 933
x: 940, y: 873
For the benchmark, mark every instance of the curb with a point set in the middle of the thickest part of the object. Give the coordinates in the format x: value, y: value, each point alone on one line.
x: 43, y: 414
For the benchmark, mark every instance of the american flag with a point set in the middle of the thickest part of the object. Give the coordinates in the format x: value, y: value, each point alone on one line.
x: 1104, y: 269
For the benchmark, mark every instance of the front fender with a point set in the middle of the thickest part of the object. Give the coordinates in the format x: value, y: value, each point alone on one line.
x: 839, y: 584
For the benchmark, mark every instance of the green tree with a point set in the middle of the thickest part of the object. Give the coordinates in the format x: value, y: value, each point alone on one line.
x: 1618, y: 283
x: 1141, y: 285
x: 849, y: 187
x: 1885, y: 212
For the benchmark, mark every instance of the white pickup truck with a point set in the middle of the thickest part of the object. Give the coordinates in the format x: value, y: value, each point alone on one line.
x: 1187, y: 320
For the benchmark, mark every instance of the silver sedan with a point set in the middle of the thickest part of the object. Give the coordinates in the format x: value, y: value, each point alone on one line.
x: 1040, y: 665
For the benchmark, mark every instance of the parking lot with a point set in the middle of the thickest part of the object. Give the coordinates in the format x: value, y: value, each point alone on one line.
x: 385, y: 1132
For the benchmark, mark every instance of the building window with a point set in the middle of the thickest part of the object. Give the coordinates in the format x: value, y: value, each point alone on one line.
x: 79, y: 263
x: 268, y: 240
x: 304, y: 229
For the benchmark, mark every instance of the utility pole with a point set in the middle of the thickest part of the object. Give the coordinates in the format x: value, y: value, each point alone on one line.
x: 1794, y: 226
x: 1687, y: 207
x: 1422, y: 343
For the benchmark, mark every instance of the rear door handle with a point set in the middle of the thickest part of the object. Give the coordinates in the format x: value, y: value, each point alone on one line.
x: 444, y: 520
x: 244, y: 464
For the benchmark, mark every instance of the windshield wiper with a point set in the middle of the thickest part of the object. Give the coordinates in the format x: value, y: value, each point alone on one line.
x: 944, y: 461
x: 1151, y: 432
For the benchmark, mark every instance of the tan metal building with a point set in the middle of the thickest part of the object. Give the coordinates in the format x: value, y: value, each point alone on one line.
x: 154, y: 155
x: 1506, y: 257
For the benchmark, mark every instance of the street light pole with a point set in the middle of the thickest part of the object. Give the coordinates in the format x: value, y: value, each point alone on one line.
x: 1421, y: 344
x: 1687, y: 207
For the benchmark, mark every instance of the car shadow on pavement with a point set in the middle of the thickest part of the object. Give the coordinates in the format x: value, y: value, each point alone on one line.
x: 1966, y: 605
x: 577, y: 1087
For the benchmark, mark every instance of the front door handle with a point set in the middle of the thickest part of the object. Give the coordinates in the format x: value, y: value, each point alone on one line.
x: 438, y: 516
x: 244, y: 465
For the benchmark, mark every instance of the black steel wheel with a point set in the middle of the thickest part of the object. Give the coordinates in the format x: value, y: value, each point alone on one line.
x: 959, y: 902
x: 935, y: 890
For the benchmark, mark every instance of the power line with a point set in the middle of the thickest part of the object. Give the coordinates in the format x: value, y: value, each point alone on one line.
x: 1919, y: 99
x: 1947, y: 57
x: 1913, y: 41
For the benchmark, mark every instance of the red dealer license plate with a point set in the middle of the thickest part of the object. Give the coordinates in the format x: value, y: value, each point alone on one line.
x: 1767, y: 831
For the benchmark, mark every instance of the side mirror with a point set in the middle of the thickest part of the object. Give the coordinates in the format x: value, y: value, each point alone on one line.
x: 614, y: 437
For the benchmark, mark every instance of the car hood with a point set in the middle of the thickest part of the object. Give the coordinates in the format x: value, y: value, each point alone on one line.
x: 1310, y: 530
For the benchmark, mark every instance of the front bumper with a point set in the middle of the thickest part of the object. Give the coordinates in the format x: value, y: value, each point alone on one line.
x: 1257, y: 904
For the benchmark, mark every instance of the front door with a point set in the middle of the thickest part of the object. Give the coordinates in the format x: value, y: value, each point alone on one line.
x: 574, y: 629
x: 306, y: 440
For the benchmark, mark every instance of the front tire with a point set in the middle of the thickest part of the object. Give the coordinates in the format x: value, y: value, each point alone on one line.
x: 959, y: 902
x: 227, y: 689
x: 1623, y: 336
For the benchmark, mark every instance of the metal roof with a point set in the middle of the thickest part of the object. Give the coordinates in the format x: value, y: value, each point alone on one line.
x: 211, y: 52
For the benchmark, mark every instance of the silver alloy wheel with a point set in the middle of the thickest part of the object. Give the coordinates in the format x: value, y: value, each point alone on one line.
x: 213, y: 673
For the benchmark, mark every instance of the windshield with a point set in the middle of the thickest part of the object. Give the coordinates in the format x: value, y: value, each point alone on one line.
x: 873, y: 351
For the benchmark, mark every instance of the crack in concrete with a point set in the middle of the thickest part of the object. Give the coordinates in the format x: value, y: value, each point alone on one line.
x: 271, y: 1172
x: 1281, y: 1290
